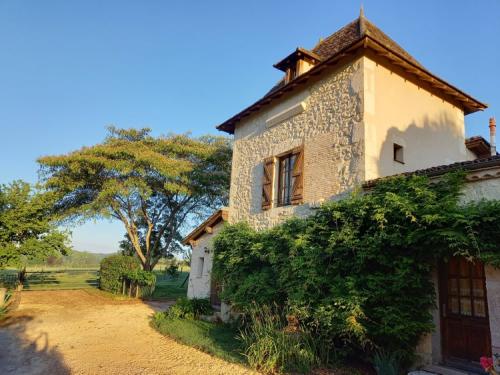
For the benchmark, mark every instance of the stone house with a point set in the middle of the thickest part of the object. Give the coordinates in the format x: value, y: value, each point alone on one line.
x: 355, y: 108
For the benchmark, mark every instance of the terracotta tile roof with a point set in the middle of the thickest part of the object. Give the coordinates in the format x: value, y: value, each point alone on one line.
x: 479, y: 146
x: 354, y: 32
x: 470, y: 165
x: 334, y: 47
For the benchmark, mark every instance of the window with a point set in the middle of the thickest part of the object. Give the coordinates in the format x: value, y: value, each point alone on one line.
x: 286, y: 180
x: 288, y: 187
x: 201, y: 264
x: 291, y: 73
x: 398, y: 153
x: 290, y: 178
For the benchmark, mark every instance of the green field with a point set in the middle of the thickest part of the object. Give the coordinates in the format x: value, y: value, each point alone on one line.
x: 167, y: 288
x: 54, y: 278
x: 62, y: 279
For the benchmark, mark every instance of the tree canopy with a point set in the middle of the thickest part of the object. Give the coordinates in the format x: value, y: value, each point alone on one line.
x: 154, y: 185
x: 28, y: 229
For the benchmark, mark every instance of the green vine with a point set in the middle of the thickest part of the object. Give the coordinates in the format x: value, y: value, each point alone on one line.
x: 357, y: 273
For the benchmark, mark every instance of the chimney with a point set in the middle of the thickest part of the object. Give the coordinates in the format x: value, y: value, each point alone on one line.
x: 493, y: 130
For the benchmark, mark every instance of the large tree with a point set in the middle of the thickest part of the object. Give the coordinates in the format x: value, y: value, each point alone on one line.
x: 28, y: 229
x: 153, y: 185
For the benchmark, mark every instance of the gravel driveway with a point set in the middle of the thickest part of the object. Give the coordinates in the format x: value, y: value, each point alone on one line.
x: 81, y: 332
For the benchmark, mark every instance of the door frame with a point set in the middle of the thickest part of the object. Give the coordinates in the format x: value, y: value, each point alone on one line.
x: 443, y: 301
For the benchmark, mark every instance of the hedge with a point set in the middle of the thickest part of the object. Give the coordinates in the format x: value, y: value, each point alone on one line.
x: 113, y: 268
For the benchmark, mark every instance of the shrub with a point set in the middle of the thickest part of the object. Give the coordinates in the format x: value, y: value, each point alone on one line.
x: 185, y: 308
x: 113, y: 269
x: 143, y: 281
x: 271, y: 345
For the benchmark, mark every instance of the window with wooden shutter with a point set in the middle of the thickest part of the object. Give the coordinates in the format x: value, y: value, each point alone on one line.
x: 267, y: 183
x: 290, y: 182
x: 297, y: 176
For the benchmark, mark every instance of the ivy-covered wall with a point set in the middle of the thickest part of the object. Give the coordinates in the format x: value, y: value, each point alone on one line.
x: 358, y: 272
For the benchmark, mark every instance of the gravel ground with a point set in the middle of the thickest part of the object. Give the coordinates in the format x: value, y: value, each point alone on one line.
x: 81, y: 332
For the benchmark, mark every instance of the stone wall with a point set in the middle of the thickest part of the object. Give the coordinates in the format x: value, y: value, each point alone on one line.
x: 330, y: 128
x: 199, y: 282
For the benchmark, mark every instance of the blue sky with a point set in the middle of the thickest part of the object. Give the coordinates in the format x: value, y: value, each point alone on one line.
x: 70, y: 68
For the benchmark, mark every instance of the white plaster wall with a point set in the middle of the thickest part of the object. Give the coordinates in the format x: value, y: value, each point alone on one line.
x: 331, y: 130
x: 199, y: 286
x: 396, y: 110
x: 493, y: 291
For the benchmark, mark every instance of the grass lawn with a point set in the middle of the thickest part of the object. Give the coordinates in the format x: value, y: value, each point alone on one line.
x: 67, y: 279
x: 167, y: 288
x: 216, y: 339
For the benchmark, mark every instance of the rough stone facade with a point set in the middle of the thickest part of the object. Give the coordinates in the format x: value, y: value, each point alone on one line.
x: 330, y: 128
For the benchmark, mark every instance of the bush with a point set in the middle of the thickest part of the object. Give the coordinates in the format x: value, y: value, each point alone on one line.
x: 185, y: 308
x: 273, y: 346
x: 141, y: 283
x: 113, y: 269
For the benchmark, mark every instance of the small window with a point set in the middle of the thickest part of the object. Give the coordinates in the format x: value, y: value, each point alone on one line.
x: 286, y: 179
x: 201, y: 264
x: 399, y: 153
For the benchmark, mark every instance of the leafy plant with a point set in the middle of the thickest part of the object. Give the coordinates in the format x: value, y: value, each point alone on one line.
x: 5, y: 303
x: 28, y: 225
x: 272, y: 348
x: 185, y: 308
x: 140, y: 277
x: 113, y: 269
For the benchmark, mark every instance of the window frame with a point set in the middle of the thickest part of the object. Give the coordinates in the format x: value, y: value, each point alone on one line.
x: 398, y: 154
x: 289, y: 159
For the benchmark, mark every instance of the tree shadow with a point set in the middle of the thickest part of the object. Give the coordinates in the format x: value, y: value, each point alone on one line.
x: 427, y: 142
x: 22, y: 355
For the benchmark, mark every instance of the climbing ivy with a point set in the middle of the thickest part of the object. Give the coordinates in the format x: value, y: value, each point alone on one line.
x: 357, y: 273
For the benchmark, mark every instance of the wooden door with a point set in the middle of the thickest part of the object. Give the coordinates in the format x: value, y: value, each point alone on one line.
x: 214, y: 293
x: 464, y: 311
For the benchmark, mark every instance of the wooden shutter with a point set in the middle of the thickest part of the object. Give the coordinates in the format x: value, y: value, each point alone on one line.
x: 267, y: 183
x: 298, y: 176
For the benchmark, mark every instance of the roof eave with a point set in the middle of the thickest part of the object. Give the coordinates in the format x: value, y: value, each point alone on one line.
x: 214, y: 219
x: 467, y: 166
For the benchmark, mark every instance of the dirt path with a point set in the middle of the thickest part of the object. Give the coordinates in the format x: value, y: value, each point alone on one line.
x: 78, y: 332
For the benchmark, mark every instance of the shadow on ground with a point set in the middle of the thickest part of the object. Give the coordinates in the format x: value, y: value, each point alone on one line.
x: 20, y: 355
